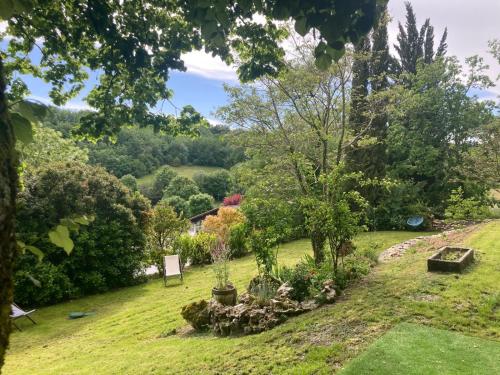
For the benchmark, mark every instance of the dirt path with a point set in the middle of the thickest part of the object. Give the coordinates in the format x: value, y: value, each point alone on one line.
x: 455, y: 236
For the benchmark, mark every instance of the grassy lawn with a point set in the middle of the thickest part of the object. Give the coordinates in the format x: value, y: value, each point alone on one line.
x: 414, y: 349
x: 128, y: 332
x: 184, y: 170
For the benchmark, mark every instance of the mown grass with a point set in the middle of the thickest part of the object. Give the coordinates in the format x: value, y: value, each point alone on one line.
x: 128, y: 333
x: 184, y: 170
x: 413, y: 349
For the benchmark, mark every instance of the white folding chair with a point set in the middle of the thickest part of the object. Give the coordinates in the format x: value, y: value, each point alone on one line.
x: 17, y: 313
x: 171, y: 267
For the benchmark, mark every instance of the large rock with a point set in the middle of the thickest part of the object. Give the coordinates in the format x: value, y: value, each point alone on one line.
x: 284, y: 291
x: 328, y: 293
x: 197, y: 314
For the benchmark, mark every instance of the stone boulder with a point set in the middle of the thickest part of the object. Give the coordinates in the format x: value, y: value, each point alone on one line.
x: 197, y: 314
x: 327, y: 293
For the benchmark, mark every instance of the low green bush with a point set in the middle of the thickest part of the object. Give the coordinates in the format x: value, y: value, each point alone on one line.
x: 307, y: 278
x: 300, y: 279
x: 196, y: 248
x: 42, y: 283
x: 461, y: 208
x: 398, y: 201
x: 237, y: 240
x: 354, y: 267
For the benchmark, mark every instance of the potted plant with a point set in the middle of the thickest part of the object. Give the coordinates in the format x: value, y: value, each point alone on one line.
x: 223, y: 292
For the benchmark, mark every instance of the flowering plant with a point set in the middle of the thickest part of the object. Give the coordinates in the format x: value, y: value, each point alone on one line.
x: 220, y: 256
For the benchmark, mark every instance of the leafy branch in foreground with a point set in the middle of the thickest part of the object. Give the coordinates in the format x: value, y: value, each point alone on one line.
x: 59, y: 235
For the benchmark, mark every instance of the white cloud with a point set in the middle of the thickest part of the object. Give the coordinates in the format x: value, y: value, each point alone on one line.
x: 207, y: 66
x: 77, y: 106
x: 214, y: 122
x: 71, y: 105
x: 470, y: 25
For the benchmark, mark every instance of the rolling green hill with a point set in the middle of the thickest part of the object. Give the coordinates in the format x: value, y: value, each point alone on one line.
x: 184, y: 170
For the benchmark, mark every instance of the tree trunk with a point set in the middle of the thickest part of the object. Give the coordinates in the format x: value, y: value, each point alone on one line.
x: 318, y: 244
x: 8, y: 187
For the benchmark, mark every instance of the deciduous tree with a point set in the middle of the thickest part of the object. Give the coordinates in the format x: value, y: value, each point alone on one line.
x: 163, y: 229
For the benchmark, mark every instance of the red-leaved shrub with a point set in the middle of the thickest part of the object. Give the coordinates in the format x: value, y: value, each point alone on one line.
x: 232, y: 200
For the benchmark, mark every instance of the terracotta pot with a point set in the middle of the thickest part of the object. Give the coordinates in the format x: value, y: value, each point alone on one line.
x: 225, y: 296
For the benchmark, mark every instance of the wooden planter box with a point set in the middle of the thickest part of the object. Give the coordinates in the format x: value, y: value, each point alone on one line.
x: 437, y: 262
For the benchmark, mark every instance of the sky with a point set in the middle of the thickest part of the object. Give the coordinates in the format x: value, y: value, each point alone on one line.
x: 470, y: 25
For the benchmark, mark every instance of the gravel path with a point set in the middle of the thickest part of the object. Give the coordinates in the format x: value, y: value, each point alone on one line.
x: 399, y: 249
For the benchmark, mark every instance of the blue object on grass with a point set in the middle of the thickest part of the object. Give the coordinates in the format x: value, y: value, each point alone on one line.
x: 415, y: 221
x: 78, y: 314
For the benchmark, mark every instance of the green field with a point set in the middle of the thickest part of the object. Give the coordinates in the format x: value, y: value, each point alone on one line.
x: 413, y: 349
x: 184, y: 170
x: 129, y: 332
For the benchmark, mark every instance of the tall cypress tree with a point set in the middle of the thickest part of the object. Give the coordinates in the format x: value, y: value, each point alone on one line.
x: 408, y: 42
x: 359, y: 92
x: 429, y: 44
x: 443, y: 46
x: 359, y: 103
x: 379, y: 68
x: 413, y: 45
x: 370, y: 69
x: 380, y: 58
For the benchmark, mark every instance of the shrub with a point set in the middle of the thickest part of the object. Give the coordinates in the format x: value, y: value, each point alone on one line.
x: 307, y: 278
x: 199, y: 203
x: 232, y: 200
x: 108, y: 253
x: 181, y: 186
x: 54, y: 285
x: 217, y: 184
x: 264, y: 288
x: 397, y: 202
x: 237, y: 240
x: 196, y: 248
x: 263, y: 246
x: 300, y: 279
x: 219, y: 224
x: 180, y: 206
x: 460, y: 208
x: 129, y: 181
x: 183, y: 246
x: 354, y: 267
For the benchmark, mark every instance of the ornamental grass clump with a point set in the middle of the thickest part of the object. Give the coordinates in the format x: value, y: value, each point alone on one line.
x: 220, y: 257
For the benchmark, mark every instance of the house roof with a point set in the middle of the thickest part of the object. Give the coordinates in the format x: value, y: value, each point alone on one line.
x: 203, y: 215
